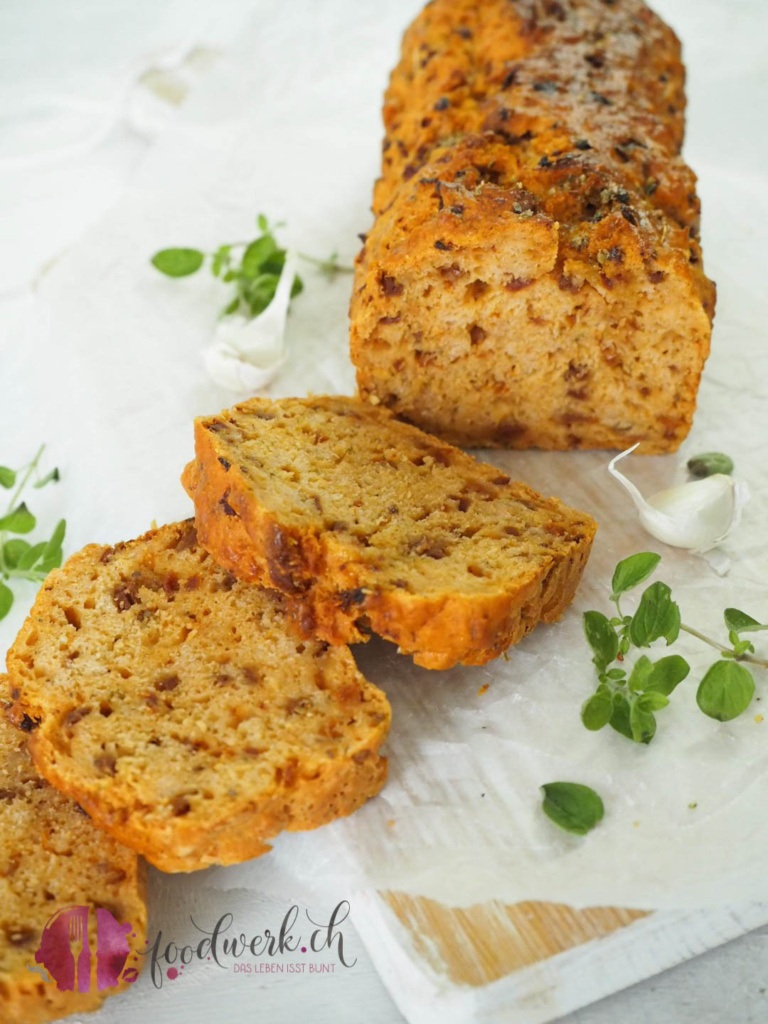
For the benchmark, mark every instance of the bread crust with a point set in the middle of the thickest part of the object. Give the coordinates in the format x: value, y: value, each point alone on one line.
x: 534, y: 277
x: 333, y: 587
x: 220, y: 730
x: 52, y: 857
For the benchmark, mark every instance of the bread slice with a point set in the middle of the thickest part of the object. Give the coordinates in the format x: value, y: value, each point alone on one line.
x: 52, y: 858
x: 534, y: 276
x: 173, y: 704
x: 366, y: 523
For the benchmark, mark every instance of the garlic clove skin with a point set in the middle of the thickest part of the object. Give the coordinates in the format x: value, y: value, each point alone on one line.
x: 696, y: 516
x: 246, y: 355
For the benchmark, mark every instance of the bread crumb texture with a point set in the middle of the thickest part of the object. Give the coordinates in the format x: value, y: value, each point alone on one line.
x: 175, y: 706
x: 367, y: 524
x: 533, y: 276
x: 51, y: 858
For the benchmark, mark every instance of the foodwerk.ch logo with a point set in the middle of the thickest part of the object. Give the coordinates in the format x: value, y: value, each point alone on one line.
x: 76, y: 959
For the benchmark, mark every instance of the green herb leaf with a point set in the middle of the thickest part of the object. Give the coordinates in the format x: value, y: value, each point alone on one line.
x: 642, y: 723
x: 7, y: 477
x: 632, y: 571
x: 297, y: 287
x: 178, y: 262
x: 710, y: 463
x: 652, y: 701
x: 726, y: 691
x: 739, y: 622
x: 20, y: 520
x: 31, y: 557
x: 274, y: 264
x: 262, y: 223
x: 620, y: 716
x: 640, y: 674
x: 601, y: 637
x: 596, y: 711
x: 657, y: 616
x: 256, y: 254
x: 52, y: 553
x: 53, y: 477
x: 13, y: 550
x: 220, y: 259
x: 258, y: 294
x: 743, y: 647
x: 572, y: 807
x: 6, y: 600
x: 666, y: 674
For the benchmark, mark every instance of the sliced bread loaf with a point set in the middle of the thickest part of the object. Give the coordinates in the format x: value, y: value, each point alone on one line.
x: 534, y: 276
x: 368, y: 524
x: 173, y: 704
x: 51, y: 859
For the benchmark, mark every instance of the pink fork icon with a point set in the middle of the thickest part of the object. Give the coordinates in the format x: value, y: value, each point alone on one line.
x: 81, y: 954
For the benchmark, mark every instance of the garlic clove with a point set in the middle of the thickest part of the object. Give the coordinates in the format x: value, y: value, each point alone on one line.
x: 247, y: 355
x: 227, y: 368
x: 695, y: 516
x: 692, y: 516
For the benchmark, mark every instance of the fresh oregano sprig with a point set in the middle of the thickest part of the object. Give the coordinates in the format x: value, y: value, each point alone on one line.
x: 628, y: 697
x: 253, y: 268
x: 19, y: 558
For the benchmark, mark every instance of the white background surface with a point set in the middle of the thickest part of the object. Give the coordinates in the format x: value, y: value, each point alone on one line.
x: 93, y: 52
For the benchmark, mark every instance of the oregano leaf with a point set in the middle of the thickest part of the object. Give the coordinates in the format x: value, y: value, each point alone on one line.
x: 31, y: 557
x: 709, y: 463
x: 178, y: 262
x: 220, y: 259
x: 572, y: 806
x: 666, y: 674
x: 640, y: 674
x: 6, y: 600
x: 13, y: 549
x: 50, y: 478
x: 601, y: 637
x: 739, y: 622
x: 726, y: 691
x: 642, y: 723
x: 620, y: 716
x: 652, y: 701
x: 20, y: 520
x: 657, y: 616
x: 256, y: 254
x: 596, y: 710
x: 633, y: 570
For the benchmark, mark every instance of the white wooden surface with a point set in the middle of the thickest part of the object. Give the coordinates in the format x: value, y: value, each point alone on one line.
x: 546, y: 991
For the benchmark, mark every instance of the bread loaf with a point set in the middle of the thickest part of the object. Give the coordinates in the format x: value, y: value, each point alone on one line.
x: 533, y: 277
x: 368, y: 524
x: 53, y: 858
x: 175, y: 706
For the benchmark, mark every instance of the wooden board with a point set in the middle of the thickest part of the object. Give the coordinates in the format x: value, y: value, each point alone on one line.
x: 527, y: 963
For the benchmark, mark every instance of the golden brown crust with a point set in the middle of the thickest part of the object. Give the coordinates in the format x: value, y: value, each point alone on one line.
x: 51, y: 858
x: 534, y: 276
x: 173, y: 704
x: 367, y: 524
